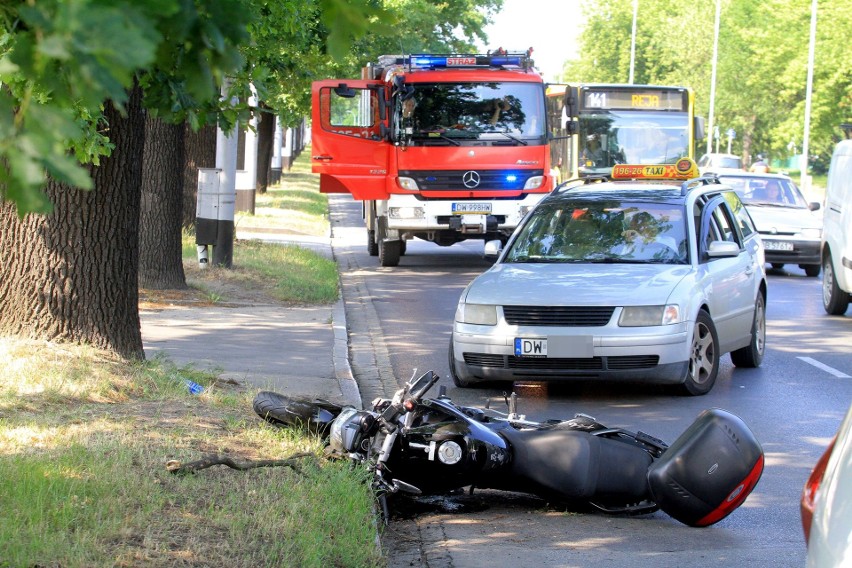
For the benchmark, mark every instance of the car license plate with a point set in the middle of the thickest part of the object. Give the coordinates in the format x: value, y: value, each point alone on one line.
x: 777, y: 245
x: 529, y: 347
x: 468, y: 207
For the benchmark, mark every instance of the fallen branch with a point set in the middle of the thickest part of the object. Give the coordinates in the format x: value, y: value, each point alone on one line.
x: 209, y: 460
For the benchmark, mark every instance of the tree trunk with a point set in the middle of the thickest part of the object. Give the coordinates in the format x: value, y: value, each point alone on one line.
x: 265, y: 142
x: 71, y: 275
x: 199, y: 152
x: 160, y: 246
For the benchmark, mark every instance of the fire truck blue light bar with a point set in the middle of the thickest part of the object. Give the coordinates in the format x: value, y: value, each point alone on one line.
x: 452, y: 61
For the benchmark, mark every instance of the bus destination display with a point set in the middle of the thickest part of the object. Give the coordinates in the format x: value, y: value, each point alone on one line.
x: 649, y: 99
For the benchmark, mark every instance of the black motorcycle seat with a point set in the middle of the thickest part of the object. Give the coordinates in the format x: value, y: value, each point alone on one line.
x: 577, y: 465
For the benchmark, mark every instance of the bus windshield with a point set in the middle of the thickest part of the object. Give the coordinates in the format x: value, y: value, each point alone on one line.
x: 505, y: 112
x: 631, y: 137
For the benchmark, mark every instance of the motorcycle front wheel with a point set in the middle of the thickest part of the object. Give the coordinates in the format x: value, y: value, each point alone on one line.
x: 314, y: 416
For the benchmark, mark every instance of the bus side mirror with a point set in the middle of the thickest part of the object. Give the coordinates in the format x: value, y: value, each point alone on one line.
x: 572, y: 102
x: 699, y: 128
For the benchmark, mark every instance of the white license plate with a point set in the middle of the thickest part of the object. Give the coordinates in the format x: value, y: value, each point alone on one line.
x: 528, y: 347
x: 461, y: 208
x: 777, y: 245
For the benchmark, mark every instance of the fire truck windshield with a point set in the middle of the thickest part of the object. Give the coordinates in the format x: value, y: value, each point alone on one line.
x: 505, y: 112
x: 629, y: 137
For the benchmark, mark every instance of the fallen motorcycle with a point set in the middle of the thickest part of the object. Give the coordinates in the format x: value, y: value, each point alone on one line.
x: 429, y: 446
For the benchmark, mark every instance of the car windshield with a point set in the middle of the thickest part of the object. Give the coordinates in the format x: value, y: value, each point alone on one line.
x: 762, y: 191
x: 499, y: 112
x: 725, y: 162
x: 602, y: 231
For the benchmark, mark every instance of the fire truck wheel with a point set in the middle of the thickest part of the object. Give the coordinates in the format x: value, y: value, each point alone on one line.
x: 403, y: 246
x: 389, y: 252
x: 372, y: 245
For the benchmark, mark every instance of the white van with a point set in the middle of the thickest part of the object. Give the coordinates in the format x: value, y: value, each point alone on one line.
x: 837, y: 232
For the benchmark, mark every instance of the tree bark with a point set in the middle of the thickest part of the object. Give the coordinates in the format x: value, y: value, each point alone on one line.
x: 160, y: 246
x: 71, y: 275
x: 265, y: 141
x: 199, y: 152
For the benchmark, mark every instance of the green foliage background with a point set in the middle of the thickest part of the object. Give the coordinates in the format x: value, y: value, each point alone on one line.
x: 762, y: 64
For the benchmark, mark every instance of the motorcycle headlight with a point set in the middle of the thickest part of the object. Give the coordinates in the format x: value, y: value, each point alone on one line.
x: 477, y: 314
x: 338, y: 441
x: 644, y: 316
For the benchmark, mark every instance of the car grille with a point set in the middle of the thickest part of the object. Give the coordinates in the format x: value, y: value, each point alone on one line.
x: 618, y: 363
x: 558, y: 316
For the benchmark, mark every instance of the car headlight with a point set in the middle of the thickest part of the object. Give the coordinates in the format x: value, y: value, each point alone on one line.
x: 534, y: 182
x: 407, y: 183
x: 477, y: 314
x: 811, y: 233
x: 643, y: 316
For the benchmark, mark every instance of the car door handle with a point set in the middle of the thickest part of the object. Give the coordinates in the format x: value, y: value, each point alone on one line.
x: 749, y: 271
x: 324, y: 157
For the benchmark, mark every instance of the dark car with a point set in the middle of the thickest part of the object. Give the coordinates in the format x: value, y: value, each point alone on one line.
x: 790, y: 227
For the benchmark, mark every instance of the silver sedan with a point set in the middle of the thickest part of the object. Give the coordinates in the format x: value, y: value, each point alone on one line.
x: 638, y: 280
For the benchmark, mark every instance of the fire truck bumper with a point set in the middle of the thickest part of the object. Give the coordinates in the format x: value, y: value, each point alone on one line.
x: 466, y: 216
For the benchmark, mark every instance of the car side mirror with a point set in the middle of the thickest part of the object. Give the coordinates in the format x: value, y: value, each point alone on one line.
x: 814, y: 205
x: 493, y: 249
x: 723, y: 249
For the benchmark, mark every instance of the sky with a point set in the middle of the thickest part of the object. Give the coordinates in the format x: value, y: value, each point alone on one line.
x: 550, y: 27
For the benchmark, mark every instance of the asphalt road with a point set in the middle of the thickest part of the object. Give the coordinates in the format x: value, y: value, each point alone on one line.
x: 401, y: 318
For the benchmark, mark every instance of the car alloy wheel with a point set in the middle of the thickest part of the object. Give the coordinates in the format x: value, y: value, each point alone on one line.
x: 834, y: 300
x: 752, y: 354
x: 703, y: 357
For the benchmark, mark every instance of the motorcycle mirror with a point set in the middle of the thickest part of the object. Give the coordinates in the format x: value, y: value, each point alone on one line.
x: 366, y: 423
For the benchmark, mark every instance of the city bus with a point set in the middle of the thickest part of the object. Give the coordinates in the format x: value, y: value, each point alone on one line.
x: 594, y: 127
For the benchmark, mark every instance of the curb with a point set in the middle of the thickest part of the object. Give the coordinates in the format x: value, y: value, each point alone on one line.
x: 340, y: 356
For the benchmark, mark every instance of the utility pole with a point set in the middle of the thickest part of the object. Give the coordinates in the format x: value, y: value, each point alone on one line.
x: 805, y: 179
x: 713, y: 72
x: 633, y: 39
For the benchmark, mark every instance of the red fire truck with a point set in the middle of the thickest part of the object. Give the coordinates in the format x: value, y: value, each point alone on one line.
x: 439, y: 147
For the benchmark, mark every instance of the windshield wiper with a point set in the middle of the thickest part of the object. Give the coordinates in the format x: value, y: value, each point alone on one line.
x: 514, y: 138
x: 541, y: 259
x: 436, y: 135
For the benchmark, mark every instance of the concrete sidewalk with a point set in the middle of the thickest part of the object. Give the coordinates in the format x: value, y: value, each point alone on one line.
x: 300, y: 351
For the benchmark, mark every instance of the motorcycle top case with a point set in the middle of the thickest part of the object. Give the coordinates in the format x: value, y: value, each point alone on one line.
x: 708, y: 471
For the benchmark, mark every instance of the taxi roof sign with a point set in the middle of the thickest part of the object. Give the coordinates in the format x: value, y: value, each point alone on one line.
x: 684, y: 169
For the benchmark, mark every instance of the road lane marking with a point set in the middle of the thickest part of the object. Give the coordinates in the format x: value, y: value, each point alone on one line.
x: 826, y: 368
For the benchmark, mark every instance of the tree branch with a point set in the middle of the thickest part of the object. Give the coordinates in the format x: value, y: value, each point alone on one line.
x: 209, y: 460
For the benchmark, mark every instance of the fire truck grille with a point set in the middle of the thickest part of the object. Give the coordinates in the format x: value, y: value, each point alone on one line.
x: 471, y: 180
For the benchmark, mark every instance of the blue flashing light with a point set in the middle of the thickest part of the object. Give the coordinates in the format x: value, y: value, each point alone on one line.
x: 506, y: 61
x: 511, y: 177
x: 426, y: 61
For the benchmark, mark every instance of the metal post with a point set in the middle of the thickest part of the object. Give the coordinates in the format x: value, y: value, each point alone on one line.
x: 633, y: 39
x: 805, y: 179
x: 226, y: 161
x: 713, y: 73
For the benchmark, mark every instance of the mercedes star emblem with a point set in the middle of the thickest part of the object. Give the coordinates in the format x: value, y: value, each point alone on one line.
x: 470, y: 179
